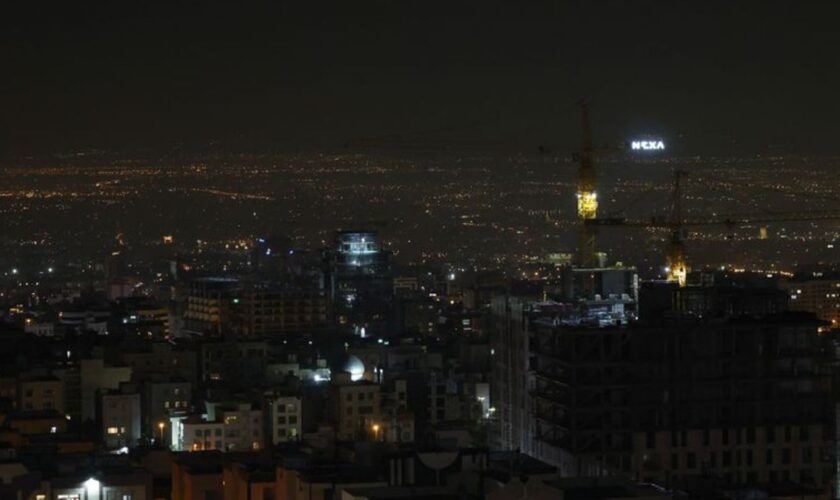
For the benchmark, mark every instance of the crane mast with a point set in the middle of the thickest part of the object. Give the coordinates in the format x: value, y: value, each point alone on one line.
x: 587, y: 198
x: 676, y: 264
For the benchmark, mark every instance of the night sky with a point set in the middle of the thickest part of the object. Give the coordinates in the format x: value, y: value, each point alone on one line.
x: 712, y: 77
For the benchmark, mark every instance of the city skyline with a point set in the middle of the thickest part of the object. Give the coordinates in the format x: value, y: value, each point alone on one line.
x: 380, y: 250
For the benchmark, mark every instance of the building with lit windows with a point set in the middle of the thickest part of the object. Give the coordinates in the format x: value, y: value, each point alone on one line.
x: 360, y: 278
x: 195, y: 433
x: 121, y: 420
x: 819, y: 295
x: 208, y: 303
x: 354, y: 407
x: 243, y: 424
x: 266, y: 309
x: 255, y: 308
x: 225, y: 427
x: 285, y: 418
x: 164, y: 400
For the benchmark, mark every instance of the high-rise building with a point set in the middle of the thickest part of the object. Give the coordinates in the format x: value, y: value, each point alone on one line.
x: 361, y: 281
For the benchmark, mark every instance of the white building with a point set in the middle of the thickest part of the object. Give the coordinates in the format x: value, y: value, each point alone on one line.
x: 195, y: 433
x: 225, y: 427
x: 285, y: 419
x: 243, y: 425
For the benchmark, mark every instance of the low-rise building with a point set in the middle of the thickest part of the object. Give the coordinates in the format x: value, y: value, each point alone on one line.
x: 354, y: 408
x: 285, y: 418
x: 41, y: 393
x: 121, y: 420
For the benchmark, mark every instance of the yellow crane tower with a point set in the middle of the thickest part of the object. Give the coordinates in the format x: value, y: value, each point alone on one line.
x: 676, y: 264
x: 587, y: 198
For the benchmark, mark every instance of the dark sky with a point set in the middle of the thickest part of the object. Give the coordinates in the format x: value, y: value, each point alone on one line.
x: 747, y: 76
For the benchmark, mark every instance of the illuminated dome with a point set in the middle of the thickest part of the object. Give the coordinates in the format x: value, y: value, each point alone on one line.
x: 354, y: 366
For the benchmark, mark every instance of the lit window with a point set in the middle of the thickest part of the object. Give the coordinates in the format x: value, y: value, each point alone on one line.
x: 113, y: 430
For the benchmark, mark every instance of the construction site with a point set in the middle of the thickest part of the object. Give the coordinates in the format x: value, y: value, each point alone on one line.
x: 702, y: 376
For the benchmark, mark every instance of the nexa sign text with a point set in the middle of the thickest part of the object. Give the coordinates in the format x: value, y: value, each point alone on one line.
x: 647, y: 145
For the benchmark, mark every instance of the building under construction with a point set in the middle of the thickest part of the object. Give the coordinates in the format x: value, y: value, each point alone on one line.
x: 745, y: 400
x: 742, y: 400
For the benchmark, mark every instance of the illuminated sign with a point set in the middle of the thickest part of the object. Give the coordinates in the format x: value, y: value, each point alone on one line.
x: 647, y: 145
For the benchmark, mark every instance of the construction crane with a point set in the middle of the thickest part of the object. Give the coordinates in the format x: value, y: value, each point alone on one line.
x: 587, y: 198
x: 676, y: 263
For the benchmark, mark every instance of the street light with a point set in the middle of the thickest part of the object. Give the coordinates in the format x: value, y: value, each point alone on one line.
x: 375, y: 432
x: 161, y: 425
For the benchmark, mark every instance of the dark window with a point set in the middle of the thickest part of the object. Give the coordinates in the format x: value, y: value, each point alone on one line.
x: 771, y: 434
x: 769, y: 457
x: 692, y: 461
x: 650, y: 440
x: 786, y: 456
x: 725, y: 436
